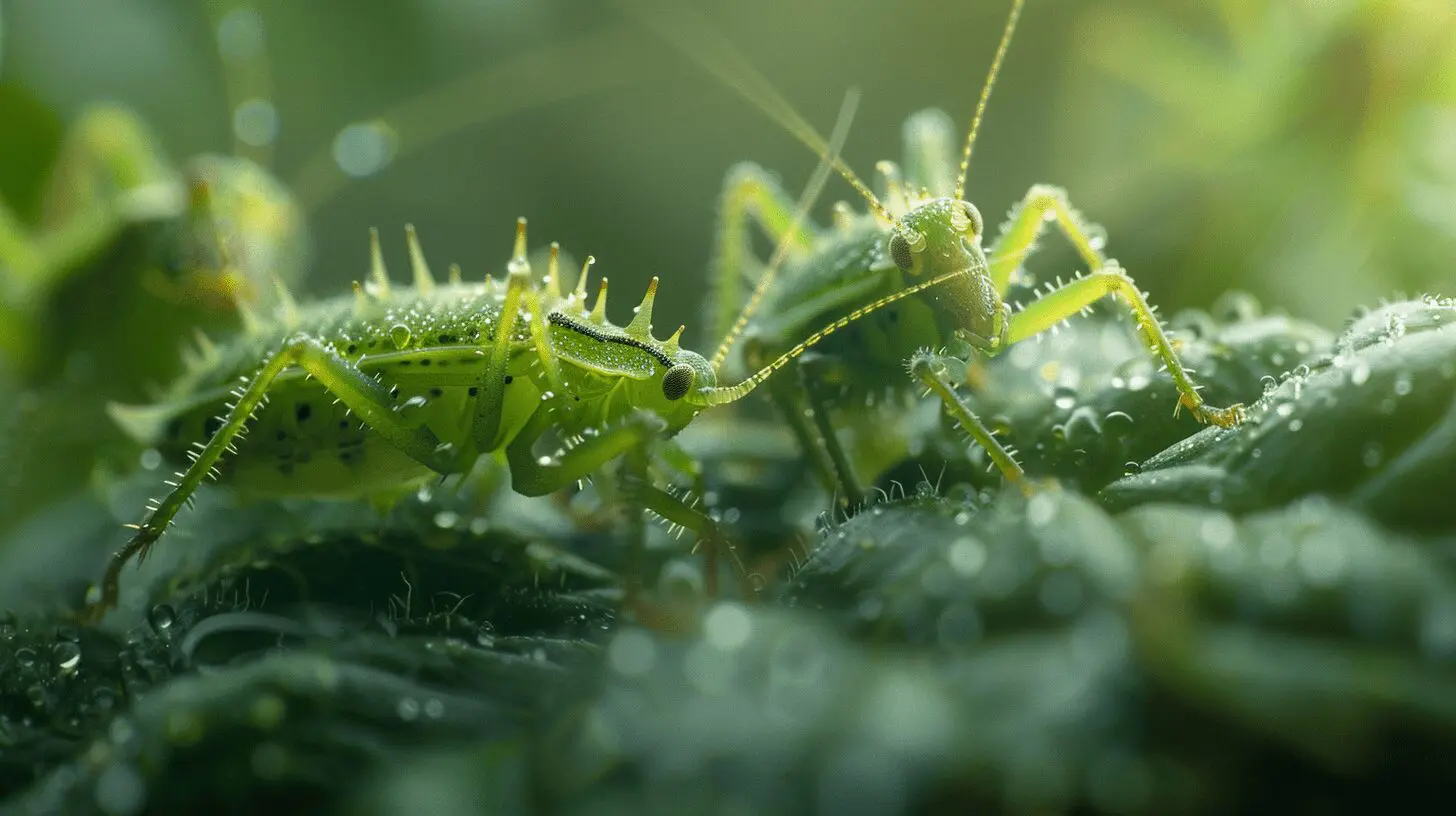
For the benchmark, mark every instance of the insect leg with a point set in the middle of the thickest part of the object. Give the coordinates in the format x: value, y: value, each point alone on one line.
x: 361, y: 393
x: 1066, y: 301
x: 492, y: 398
x: 814, y: 374
x: 929, y: 368
x: 1042, y: 203
x: 790, y: 402
x: 537, y: 476
x: 750, y: 195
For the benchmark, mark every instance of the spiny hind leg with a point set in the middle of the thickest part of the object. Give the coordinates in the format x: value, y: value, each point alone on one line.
x: 1071, y: 298
x: 1042, y: 204
x: 750, y: 196
x: 360, y: 393
x: 930, y: 369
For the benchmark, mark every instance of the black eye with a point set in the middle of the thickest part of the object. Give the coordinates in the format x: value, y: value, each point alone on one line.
x: 678, y: 381
x: 900, y: 252
x: 975, y: 216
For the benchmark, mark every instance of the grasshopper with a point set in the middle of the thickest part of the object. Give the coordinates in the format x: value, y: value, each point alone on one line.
x: 921, y: 229
x: 371, y: 393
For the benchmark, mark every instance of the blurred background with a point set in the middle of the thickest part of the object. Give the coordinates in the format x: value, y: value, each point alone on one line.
x: 1301, y: 149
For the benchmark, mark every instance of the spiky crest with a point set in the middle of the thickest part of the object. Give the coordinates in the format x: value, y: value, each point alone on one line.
x: 579, y: 294
x: 424, y: 281
x: 641, y: 325
x: 519, y: 262
x: 378, y: 283
x: 553, y: 271
x: 599, y: 309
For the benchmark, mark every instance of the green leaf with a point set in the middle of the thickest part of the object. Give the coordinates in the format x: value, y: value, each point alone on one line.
x: 1373, y: 422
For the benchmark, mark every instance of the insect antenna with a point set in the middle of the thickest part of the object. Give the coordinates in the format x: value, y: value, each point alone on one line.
x: 960, y: 188
x: 801, y: 213
x: 721, y: 395
x: 689, y: 34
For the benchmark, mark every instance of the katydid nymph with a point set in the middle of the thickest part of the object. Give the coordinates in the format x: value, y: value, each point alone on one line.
x: 921, y: 228
x: 374, y: 392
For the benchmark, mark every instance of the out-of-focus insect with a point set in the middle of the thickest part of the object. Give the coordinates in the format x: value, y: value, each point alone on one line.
x: 921, y: 228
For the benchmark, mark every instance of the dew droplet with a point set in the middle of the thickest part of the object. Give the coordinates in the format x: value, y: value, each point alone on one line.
x: 1064, y: 398
x: 399, y: 334
x: 485, y: 634
x: 408, y: 709
x: 161, y: 617
x: 66, y: 656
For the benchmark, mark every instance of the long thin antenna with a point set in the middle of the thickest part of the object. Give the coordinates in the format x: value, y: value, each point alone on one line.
x: 689, y: 34
x: 801, y: 214
x: 732, y: 393
x: 960, y: 189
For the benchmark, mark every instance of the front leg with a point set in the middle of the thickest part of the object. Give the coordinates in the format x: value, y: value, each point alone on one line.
x: 930, y: 369
x: 1060, y: 304
x: 1043, y: 204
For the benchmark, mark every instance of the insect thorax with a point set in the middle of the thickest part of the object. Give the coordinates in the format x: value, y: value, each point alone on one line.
x: 847, y: 271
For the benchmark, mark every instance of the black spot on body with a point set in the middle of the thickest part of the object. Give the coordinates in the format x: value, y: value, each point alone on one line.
x: 436, y: 392
x: 510, y: 379
x: 474, y: 391
x: 281, y: 436
x: 353, y: 348
x: 302, y: 411
x: 447, y: 338
x: 425, y: 362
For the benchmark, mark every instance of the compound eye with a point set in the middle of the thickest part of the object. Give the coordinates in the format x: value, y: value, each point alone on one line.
x: 900, y: 252
x: 975, y: 215
x: 678, y: 381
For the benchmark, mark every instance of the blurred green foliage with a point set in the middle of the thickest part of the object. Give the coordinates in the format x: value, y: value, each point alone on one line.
x: 1255, y: 618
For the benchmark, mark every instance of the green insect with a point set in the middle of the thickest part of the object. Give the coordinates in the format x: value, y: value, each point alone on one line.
x: 378, y: 391
x: 921, y: 229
